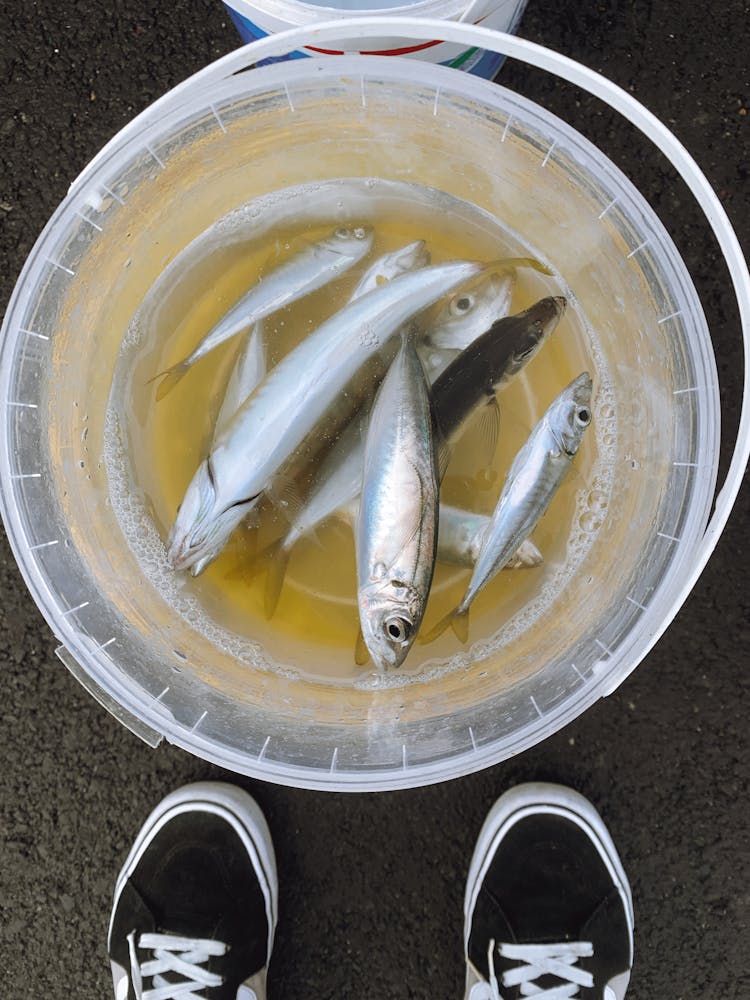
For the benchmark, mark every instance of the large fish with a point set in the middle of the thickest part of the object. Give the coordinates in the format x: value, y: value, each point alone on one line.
x: 534, y: 477
x: 290, y: 402
x: 397, y: 524
x: 303, y: 272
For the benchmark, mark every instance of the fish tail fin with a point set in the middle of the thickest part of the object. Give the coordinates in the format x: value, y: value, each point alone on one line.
x: 461, y: 629
x: 511, y: 263
x: 460, y: 624
x: 276, y: 558
x: 530, y: 262
x: 169, y: 379
x: 361, y: 652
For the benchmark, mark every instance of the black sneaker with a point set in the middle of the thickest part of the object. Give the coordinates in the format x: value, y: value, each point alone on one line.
x: 195, y: 904
x: 548, y: 911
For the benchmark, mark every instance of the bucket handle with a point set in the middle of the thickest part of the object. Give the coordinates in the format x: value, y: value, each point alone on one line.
x: 470, y: 35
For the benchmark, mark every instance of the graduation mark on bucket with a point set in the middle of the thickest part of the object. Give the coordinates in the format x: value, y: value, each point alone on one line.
x: 578, y: 673
x: 154, y: 156
x: 87, y: 219
x: 634, y: 252
x: 669, y: 538
x: 61, y: 267
x: 549, y: 153
x: 217, y: 116
x: 44, y: 545
x: 637, y: 603
x: 666, y: 319
x: 263, y: 749
x: 200, y: 719
x: 607, y: 209
x: 78, y: 607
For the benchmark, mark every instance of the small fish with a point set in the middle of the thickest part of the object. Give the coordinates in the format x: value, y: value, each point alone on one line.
x: 488, y: 363
x: 248, y: 371
x: 534, y: 477
x: 290, y: 402
x: 460, y: 535
x: 397, y: 524
x: 450, y: 332
x: 338, y: 479
x: 391, y: 265
x: 460, y: 540
x: 303, y: 272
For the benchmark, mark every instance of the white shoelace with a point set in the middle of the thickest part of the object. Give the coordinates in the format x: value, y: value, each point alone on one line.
x: 538, y: 960
x: 171, y: 953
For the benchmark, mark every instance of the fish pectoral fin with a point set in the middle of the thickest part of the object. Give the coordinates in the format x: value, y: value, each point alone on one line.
x: 457, y: 620
x: 361, y: 652
x: 443, y: 450
x: 169, y: 379
x: 276, y: 558
x: 284, y: 493
x: 489, y: 429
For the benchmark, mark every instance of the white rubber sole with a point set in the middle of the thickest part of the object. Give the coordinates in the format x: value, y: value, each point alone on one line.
x: 531, y: 799
x: 237, y: 808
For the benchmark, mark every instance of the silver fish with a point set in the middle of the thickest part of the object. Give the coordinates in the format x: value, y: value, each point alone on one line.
x: 303, y: 272
x: 460, y: 540
x: 396, y: 532
x: 248, y: 371
x: 289, y: 403
x: 391, y: 265
x: 250, y: 362
x: 460, y: 534
x: 534, y: 477
x: 338, y: 478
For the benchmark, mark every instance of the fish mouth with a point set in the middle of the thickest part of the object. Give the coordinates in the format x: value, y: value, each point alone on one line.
x: 200, y: 532
x: 549, y: 310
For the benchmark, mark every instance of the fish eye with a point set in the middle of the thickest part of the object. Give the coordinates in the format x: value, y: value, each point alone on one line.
x: 397, y: 629
x: 342, y: 233
x: 461, y: 304
x: 583, y: 416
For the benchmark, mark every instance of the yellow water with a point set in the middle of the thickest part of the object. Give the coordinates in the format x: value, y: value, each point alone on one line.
x: 315, y: 625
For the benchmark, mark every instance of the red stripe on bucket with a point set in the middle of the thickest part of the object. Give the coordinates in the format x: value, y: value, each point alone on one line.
x: 378, y: 52
x: 387, y: 52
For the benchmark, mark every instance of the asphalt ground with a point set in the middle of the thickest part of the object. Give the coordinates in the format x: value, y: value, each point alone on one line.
x: 372, y: 886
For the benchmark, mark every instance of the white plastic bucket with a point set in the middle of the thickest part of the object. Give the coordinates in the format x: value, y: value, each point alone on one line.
x: 225, y: 136
x: 257, y: 18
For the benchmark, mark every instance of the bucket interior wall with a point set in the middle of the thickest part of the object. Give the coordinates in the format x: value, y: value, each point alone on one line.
x: 289, y: 125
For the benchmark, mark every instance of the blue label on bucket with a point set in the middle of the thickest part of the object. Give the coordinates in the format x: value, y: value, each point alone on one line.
x: 475, y: 61
x: 250, y: 32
